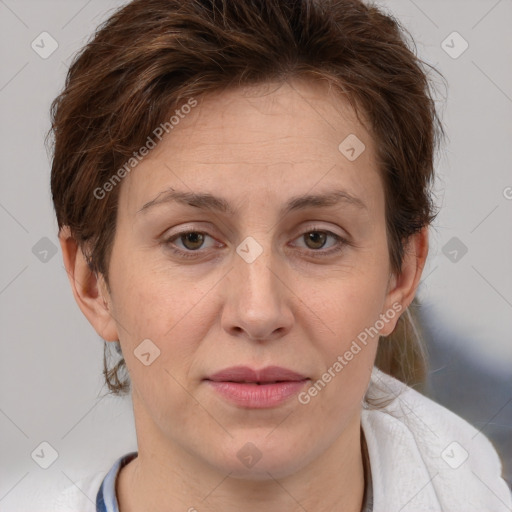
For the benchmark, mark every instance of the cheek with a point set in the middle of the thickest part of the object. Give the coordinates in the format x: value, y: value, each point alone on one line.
x: 350, y: 310
x: 152, y: 305
x: 353, y: 304
x: 355, y: 341
x: 156, y: 309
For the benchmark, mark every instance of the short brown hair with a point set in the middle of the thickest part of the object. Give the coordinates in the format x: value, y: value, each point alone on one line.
x: 151, y: 56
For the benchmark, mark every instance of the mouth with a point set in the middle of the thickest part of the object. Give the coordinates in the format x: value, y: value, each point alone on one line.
x: 245, y: 374
x: 257, y: 389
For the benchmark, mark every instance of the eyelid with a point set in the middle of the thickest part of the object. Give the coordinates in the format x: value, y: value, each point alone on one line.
x: 325, y: 229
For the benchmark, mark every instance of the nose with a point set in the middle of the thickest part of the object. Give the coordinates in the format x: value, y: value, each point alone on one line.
x: 258, y: 299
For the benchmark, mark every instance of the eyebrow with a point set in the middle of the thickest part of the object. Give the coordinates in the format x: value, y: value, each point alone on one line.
x: 208, y: 201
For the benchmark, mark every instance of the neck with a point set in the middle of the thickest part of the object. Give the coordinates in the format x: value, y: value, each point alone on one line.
x: 165, y: 477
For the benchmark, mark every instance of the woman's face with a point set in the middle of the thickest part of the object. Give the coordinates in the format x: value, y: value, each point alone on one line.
x: 288, y: 266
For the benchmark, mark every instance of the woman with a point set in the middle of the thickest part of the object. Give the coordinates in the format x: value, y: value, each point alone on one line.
x: 243, y: 197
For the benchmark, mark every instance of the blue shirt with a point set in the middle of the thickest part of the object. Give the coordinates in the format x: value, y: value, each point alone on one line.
x: 106, y: 499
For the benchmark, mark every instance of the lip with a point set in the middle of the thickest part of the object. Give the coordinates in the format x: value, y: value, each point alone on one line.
x: 257, y: 389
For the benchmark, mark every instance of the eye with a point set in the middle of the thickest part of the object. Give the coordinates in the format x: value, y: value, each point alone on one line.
x: 315, y: 240
x: 191, y: 242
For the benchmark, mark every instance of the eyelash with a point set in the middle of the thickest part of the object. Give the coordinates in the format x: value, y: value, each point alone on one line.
x: 340, y: 244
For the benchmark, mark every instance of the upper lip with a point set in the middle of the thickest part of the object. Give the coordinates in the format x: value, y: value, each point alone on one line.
x: 247, y: 374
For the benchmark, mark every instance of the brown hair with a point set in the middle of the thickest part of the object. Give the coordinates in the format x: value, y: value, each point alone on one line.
x: 151, y: 56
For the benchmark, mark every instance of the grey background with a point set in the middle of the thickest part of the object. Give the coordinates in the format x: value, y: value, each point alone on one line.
x: 51, y: 387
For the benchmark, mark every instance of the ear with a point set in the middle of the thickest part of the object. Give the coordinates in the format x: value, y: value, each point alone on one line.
x: 402, y: 287
x: 89, y: 289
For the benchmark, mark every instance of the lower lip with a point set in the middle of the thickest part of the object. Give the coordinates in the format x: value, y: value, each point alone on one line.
x: 258, y: 396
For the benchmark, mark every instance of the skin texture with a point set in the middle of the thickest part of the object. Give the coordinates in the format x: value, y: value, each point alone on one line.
x: 255, y: 147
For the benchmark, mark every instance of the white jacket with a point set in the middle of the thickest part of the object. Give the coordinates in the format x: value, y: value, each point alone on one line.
x: 423, y: 458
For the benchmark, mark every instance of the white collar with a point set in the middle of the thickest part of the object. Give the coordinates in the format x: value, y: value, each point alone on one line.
x: 424, y: 457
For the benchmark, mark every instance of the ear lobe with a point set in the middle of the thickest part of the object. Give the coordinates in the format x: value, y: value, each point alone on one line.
x: 89, y: 289
x: 403, y: 286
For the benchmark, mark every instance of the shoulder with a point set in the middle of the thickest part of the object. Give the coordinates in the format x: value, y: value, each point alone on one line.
x: 96, y: 492
x: 81, y: 496
x: 425, y: 457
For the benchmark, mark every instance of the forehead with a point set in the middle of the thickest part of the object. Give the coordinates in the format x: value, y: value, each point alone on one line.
x: 289, y: 115
x: 272, y: 137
